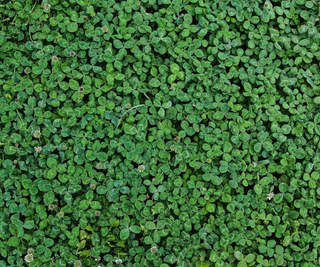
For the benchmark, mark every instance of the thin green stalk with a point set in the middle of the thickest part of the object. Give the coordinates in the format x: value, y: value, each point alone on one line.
x: 18, y: 114
x: 30, y: 34
x: 127, y: 112
x: 33, y: 7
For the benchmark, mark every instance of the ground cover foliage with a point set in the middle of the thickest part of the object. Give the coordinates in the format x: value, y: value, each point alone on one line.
x: 159, y: 133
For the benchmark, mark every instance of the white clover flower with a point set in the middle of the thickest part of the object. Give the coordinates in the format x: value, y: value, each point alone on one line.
x: 128, y: 105
x: 28, y: 258
x: 172, y: 147
x: 30, y: 251
x: 99, y: 166
x: 270, y: 195
x: 81, y: 89
x: 104, y: 28
x: 141, y: 168
x: 51, y: 206
x: 93, y: 186
x: 38, y: 149
x: 46, y: 6
x: 118, y: 261
x: 138, y: 3
x: 37, y: 134
x: 98, y: 213
x: 73, y: 54
x: 60, y: 215
x: 154, y: 250
x: 54, y: 58
x: 266, y: 5
x: 85, y: 18
x: 77, y: 263
x: 27, y: 71
x: 209, y: 160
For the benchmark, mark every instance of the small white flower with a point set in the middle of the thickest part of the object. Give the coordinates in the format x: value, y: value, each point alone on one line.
x: 141, y: 168
x: 266, y: 5
x: 98, y: 213
x: 60, y: 215
x: 154, y: 250
x: 81, y: 89
x: 77, y: 263
x: 93, y: 186
x: 51, y: 206
x: 118, y: 261
x: 128, y: 105
x: 54, y: 58
x: 46, y: 6
x: 270, y: 195
x: 27, y: 71
x: 99, y: 166
x: 172, y: 147
x: 73, y: 54
x: 37, y: 134
x: 104, y: 28
x: 209, y: 160
x: 28, y: 258
x: 38, y: 149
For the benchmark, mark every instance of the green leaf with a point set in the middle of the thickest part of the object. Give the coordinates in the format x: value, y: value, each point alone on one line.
x: 48, y: 198
x: 174, y: 68
x: 124, y: 234
x: 130, y: 129
x: 28, y: 225
x: 101, y: 190
x: 48, y: 242
x: 154, y: 82
x: 135, y: 229
x: 72, y: 27
x: 52, y: 163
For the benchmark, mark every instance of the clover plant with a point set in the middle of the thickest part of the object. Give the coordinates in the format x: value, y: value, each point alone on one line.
x: 159, y: 133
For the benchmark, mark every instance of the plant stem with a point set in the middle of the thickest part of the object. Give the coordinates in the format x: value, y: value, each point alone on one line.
x: 127, y: 112
x: 33, y: 7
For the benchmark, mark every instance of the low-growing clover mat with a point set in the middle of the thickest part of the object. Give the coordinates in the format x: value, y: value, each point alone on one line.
x: 159, y: 133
